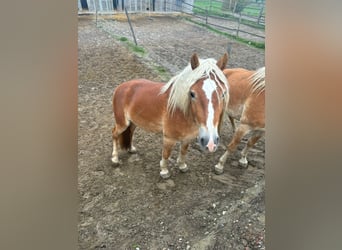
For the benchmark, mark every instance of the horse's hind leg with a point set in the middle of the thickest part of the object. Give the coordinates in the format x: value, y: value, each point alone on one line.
x: 167, y: 147
x: 254, y: 138
x: 241, y: 131
x: 231, y: 119
x: 121, y: 136
x: 115, y: 153
x: 181, y: 158
x: 132, y: 128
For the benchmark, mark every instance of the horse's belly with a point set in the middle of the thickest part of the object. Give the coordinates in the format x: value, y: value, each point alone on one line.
x: 147, y: 123
x: 235, y: 111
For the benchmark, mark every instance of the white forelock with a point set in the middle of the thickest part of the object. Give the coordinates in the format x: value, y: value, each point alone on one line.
x: 182, y: 82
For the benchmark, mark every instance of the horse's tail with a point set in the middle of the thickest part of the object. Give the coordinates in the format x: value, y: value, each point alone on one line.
x: 125, y: 138
x: 258, y: 80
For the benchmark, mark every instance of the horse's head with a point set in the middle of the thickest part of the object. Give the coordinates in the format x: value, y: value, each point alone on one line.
x: 208, y: 99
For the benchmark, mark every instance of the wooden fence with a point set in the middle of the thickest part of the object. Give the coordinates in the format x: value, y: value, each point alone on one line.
x: 112, y: 6
x: 242, y: 24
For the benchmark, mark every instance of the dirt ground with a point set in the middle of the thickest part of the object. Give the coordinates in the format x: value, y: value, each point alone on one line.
x: 130, y: 206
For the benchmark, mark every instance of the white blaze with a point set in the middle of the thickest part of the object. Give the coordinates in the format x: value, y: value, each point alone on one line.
x: 209, y: 87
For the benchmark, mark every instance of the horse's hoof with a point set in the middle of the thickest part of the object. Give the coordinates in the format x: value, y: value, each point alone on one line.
x: 115, y: 161
x: 243, y: 162
x: 132, y: 150
x: 165, y: 174
x: 183, y: 168
x: 218, y: 169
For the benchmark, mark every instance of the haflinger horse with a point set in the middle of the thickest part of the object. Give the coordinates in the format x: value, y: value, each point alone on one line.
x: 190, y: 105
x: 247, y: 104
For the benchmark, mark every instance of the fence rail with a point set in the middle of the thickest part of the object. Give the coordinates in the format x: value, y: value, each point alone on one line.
x: 241, y: 25
x: 113, y: 6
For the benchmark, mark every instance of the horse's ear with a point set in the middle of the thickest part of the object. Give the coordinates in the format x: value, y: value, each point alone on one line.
x: 194, y: 61
x: 222, y: 63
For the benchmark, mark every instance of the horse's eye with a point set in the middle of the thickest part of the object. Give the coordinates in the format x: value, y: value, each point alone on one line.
x: 192, y: 94
x: 224, y: 94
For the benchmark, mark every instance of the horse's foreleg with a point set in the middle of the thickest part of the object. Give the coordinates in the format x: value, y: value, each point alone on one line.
x: 254, y: 138
x: 181, y: 158
x: 241, y: 131
x: 167, y: 147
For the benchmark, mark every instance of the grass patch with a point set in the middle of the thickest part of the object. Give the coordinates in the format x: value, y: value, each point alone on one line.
x: 259, y: 45
x: 139, y: 50
x: 165, y: 75
x: 123, y: 39
x: 161, y: 69
x: 135, y: 48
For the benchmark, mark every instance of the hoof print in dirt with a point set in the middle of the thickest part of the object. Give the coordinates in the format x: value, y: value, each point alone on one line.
x: 166, y: 185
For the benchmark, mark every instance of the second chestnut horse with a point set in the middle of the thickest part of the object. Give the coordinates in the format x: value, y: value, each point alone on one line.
x: 246, y: 104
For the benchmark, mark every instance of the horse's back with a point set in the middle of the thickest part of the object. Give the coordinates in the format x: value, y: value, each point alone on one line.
x: 135, y: 90
x: 243, y: 105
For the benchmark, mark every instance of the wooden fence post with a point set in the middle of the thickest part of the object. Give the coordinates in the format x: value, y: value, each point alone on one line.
x: 238, y: 28
x: 229, y: 49
x: 130, y: 25
x: 96, y: 17
x: 260, y: 13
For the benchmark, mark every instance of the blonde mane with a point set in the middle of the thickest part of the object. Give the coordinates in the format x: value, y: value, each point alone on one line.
x: 182, y: 82
x: 258, y: 81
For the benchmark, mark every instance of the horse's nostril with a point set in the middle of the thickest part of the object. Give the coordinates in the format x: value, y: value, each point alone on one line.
x: 202, y: 141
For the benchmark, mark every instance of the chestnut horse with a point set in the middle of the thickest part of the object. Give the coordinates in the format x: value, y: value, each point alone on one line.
x: 191, y: 104
x: 247, y: 104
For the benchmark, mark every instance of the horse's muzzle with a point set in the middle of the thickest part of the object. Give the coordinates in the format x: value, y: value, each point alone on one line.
x: 208, y: 141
